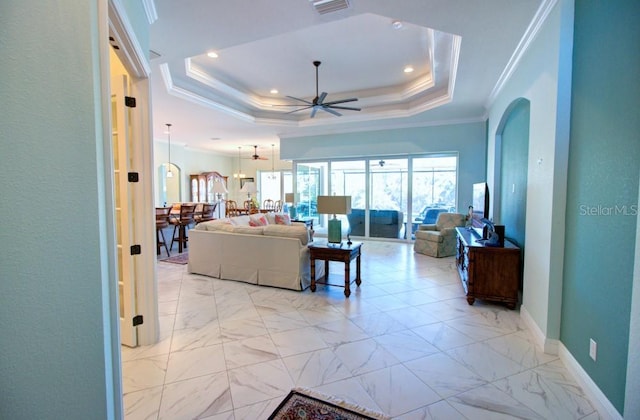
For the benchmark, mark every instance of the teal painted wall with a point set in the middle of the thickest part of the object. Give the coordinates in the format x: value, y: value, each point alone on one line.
x: 514, y: 165
x: 604, y: 163
x: 57, y: 312
x: 467, y: 140
x: 139, y: 22
x: 542, y: 77
x: 54, y: 332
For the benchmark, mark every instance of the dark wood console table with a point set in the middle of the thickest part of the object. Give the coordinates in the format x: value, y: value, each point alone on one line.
x: 335, y: 252
x: 487, y: 272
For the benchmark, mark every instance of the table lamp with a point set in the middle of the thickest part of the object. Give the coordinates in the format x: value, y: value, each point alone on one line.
x: 334, y: 204
x: 249, y: 188
x: 219, y: 189
x: 291, y: 198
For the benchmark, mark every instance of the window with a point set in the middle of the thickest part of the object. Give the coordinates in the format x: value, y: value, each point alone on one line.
x: 382, y: 187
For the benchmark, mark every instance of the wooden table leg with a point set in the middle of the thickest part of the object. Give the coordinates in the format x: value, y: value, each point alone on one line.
x: 326, y: 271
x: 358, y: 281
x: 347, y: 277
x: 313, y: 275
x: 180, y: 238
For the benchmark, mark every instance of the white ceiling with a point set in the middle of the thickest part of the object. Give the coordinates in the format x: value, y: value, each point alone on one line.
x: 460, y: 50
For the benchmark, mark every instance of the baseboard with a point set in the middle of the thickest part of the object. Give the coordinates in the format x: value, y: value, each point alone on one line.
x: 551, y: 346
x: 603, y: 405
x: 548, y: 345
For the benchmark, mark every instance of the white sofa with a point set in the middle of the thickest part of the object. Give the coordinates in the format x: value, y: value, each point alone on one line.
x: 269, y: 255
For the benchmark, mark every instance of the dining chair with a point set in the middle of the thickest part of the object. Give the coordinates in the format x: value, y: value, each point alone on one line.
x: 206, y: 214
x: 181, y: 224
x: 268, y: 204
x: 249, y: 207
x: 231, y: 208
x: 277, y: 206
x: 162, y: 222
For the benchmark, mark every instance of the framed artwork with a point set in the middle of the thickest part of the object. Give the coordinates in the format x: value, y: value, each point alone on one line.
x: 244, y: 181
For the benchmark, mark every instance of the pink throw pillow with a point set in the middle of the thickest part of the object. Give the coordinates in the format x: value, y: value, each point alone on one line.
x: 283, y: 219
x: 258, y: 221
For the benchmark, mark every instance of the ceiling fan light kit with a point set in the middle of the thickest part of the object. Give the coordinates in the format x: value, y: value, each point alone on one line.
x: 255, y: 155
x: 319, y: 103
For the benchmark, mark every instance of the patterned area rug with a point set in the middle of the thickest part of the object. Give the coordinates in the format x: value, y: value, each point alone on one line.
x: 177, y: 258
x: 310, y: 405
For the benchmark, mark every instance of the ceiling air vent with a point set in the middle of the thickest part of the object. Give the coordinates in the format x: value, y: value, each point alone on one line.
x: 328, y: 6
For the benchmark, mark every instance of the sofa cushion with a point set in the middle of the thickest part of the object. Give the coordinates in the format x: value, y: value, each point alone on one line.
x: 297, y: 230
x: 240, y: 220
x: 430, y: 235
x: 246, y: 230
x: 225, y: 227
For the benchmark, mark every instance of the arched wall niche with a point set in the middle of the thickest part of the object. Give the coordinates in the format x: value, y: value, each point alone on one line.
x: 170, y: 188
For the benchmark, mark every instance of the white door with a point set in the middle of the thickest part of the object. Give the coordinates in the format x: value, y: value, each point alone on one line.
x: 125, y: 206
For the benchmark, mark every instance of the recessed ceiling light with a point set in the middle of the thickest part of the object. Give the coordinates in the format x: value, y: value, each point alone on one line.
x: 397, y: 24
x: 274, y: 91
x: 215, y: 138
x: 212, y: 54
x: 408, y: 69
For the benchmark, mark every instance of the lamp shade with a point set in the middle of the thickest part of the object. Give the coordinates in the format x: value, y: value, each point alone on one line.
x: 219, y: 188
x: 249, y: 187
x: 334, y: 204
x: 290, y: 197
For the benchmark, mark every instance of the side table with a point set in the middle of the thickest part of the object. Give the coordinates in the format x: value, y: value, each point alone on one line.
x: 335, y: 252
x: 307, y: 222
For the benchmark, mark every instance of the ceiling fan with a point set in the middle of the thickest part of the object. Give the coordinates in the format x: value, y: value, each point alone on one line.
x: 255, y: 155
x: 319, y: 103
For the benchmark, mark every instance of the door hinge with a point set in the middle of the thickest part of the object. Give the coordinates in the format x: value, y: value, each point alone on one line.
x: 130, y: 101
x: 133, y: 177
x: 137, y: 320
x: 136, y: 250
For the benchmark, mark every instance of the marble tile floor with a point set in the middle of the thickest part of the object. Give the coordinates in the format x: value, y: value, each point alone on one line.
x: 405, y: 343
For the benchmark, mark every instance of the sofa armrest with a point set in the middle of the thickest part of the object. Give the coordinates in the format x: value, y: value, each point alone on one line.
x: 427, y: 227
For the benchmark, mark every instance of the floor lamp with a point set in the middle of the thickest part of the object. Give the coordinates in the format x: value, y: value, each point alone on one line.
x: 219, y: 189
x: 334, y: 204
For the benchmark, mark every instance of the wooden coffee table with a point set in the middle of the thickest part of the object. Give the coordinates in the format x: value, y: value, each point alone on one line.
x: 335, y: 252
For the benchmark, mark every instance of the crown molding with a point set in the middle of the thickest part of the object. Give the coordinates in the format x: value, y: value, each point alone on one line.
x: 150, y: 10
x: 529, y: 35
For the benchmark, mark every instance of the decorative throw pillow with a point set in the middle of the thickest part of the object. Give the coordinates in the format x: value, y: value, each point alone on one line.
x: 258, y: 220
x: 283, y: 219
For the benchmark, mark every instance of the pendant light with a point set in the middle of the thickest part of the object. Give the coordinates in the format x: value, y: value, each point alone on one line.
x: 169, y: 173
x: 239, y: 174
x: 273, y: 172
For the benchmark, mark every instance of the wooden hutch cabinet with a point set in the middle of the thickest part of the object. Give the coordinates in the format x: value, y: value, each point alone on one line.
x: 488, y: 272
x: 202, y: 186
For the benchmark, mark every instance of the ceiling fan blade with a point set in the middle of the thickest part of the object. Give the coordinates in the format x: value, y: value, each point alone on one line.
x: 350, y: 108
x: 290, y: 105
x: 313, y: 111
x: 331, y: 111
x: 341, y: 101
x: 299, y: 109
x: 321, y: 97
x: 301, y: 100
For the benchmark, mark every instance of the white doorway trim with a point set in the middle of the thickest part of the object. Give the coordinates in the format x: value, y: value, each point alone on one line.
x: 137, y: 65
